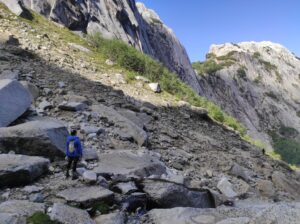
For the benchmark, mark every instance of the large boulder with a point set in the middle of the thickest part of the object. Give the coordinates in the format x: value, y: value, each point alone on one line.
x: 45, y: 138
x: 69, y: 215
x: 21, y: 207
x: 288, y: 185
x: 125, y: 125
x: 18, y: 170
x: 15, y: 100
x: 86, y: 196
x: 14, y: 6
x: 170, y: 195
x: 130, y: 163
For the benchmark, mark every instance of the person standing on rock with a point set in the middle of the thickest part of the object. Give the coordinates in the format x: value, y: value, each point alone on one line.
x: 73, y: 152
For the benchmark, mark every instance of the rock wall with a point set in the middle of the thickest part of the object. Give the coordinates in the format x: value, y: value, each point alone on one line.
x: 260, y: 87
x: 121, y: 19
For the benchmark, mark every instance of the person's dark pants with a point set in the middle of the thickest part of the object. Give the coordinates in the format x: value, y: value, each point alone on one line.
x: 74, y: 161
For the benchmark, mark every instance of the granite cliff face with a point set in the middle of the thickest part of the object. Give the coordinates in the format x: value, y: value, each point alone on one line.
x: 122, y: 19
x: 258, y: 83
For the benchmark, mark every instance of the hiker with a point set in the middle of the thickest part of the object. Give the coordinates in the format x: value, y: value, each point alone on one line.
x: 73, y: 153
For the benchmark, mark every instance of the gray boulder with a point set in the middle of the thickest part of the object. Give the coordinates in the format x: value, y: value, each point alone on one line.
x: 70, y: 215
x: 45, y: 138
x: 14, y: 6
x: 34, y: 90
x: 86, y: 196
x: 15, y: 100
x: 18, y: 170
x: 170, y: 195
x: 125, y: 125
x: 8, y: 218
x: 21, y: 208
x: 89, y: 154
x: 127, y: 163
x: 255, y: 214
x: 226, y: 188
x: 283, y: 183
x: 112, y: 218
x: 155, y: 87
x: 89, y: 176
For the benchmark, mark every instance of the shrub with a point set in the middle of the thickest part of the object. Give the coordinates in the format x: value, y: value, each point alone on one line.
x: 241, y: 73
x: 40, y: 217
x: 256, y: 55
x: 207, y: 67
x: 271, y: 95
x: 278, y: 76
x: 268, y: 66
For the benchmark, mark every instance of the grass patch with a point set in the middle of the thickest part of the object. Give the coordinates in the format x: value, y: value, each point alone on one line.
x: 40, y: 218
x: 101, y: 207
x: 214, y: 63
x: 288, y: 132
x: 268, y: 66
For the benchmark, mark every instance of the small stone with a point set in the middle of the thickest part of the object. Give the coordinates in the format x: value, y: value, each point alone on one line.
x: 38, y: 198
x: 109, y: 62
x: 89, y: 177
x: 61, y: 84
x: 226, y: 188
x: 155, y: 87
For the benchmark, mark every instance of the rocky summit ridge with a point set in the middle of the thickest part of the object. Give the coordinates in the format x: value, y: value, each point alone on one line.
x: 148, y: 158
x: 258, y: 83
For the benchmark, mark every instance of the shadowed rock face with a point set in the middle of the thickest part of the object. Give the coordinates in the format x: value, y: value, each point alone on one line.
x: 122, y: 19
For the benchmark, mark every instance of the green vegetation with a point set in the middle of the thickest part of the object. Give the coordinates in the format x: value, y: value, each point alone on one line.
x: 256, y: 55
x: 288, y: 132
x: 287, y: 148
x: 268, y: 66
x: 241, y: 73
x: 101, y: 207
x: 214, y: 63
x: 40, y: 217
x: 278, y: 76
x: 298, y: 113
x: 271, y: 95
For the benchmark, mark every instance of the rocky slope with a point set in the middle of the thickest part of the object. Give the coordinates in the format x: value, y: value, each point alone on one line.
x: 121, y: 19
x: 258, y: 83
x: 144, y: 152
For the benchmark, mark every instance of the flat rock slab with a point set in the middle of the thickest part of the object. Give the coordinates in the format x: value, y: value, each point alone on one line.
x: 124, y: 124
x: 46, y: 137
x: 269, y: 213
x: 112, y: 218
x: 170, y: 195
x: 86, y: 196
x: 69, y: 215
x: 21, y: 207
x: 7, y: 218
x: 15, y: 100
x: 128, y: 163
x: 16, y: 170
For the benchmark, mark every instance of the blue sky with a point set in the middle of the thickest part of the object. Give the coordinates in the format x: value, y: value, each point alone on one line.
x: 200, y: 23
